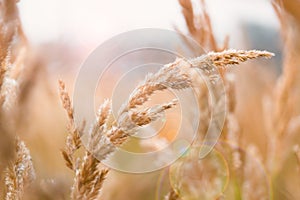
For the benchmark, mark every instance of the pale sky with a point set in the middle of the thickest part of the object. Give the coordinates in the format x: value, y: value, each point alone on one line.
x: 93, y: 21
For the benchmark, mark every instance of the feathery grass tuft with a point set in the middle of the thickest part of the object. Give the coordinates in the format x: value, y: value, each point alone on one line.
x: 20, y: 174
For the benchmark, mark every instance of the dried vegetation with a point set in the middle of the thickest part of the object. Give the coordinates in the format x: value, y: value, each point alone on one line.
x: 239, y: 167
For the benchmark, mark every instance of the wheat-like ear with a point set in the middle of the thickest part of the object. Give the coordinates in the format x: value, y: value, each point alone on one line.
x: 229, y: 58
x: 200, y: 27
x: 19, y: 174
x: 104, y: 138
x: 174, y: 75
x: 169, y: 76
x: 223, y: 60
x: 188, y: 13
x: 130, y: 117
x: 13, y: 51
x: 73, y: 141
x: 89, y: 177
x: 89, y: 174
x: 8, y: 28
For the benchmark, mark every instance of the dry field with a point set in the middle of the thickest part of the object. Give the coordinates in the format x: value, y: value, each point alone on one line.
x: 256, y: 157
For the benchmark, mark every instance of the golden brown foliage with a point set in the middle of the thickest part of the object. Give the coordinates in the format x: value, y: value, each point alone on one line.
x: 19, y: 174
x: 249, y: 165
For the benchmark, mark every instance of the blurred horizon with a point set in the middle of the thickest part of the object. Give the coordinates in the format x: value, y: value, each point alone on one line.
x: 89, y: 23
